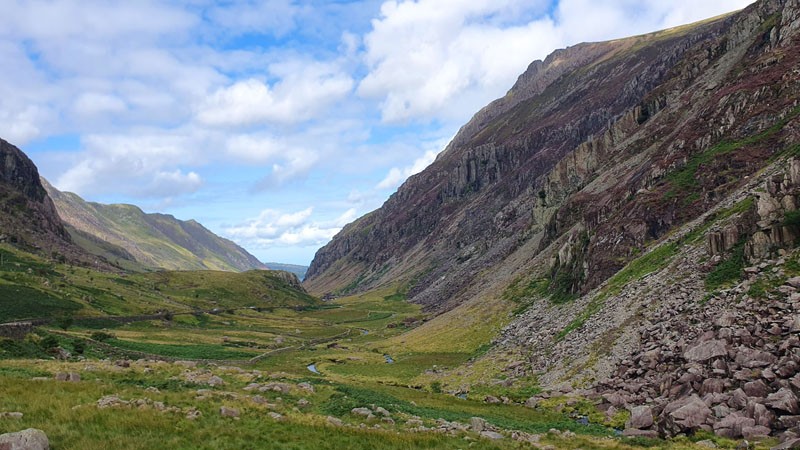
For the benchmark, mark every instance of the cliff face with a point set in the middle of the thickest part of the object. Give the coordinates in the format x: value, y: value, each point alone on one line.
x: 594, y: 152
x: 152, y: 240
x: 28, y: 217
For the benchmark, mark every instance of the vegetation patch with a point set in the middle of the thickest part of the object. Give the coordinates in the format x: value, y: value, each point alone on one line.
x: 23, y: 302
x: 193, y: 351
x: 728, y: 271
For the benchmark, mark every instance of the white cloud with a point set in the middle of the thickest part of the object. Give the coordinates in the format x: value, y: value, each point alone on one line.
x: 92, y: 103
x: 141, y: 165
x: 305, y: 90
x: 273, y: 228
x: 169, y: 184
x: 424, y: 56
x: 443, y: 60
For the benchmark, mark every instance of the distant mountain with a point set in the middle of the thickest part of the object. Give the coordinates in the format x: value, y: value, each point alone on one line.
x: 300, y: 271
x: 131, y: 238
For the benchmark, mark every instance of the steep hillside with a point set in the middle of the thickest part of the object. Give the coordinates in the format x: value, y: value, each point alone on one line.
x: 28, y: 219
x: 624, y: 222
x: 152, y: 240
x: 594, y: 152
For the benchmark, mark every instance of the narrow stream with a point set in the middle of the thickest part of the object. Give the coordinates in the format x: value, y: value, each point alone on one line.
x: 389, y: 359
x: 313, y: 368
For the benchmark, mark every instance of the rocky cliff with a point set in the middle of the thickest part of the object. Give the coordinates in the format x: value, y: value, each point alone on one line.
x: 602, y: 147
x: 29, y: 219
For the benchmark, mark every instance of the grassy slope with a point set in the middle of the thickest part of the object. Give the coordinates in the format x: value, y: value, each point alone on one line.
x: 154, y: 240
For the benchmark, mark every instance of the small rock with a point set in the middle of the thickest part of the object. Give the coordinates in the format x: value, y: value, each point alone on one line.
x: 225, y: 411
x: 382, y: 411
x: 493, y: 435
x: 11, y: 415
x: 30, y: 439
x: 708, y: 443
x: 491, y: 399
x: 633, y: 432
x: 303, y: 403
x: 335, y: 421
x: 275, y: 415
x: 306, y: 387
x: 193, y: 414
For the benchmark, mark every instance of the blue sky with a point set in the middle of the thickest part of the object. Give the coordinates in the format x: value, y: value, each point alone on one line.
x: 274, y: 123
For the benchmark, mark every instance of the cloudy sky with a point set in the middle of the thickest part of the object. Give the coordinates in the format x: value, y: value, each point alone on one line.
x: 273, y: 122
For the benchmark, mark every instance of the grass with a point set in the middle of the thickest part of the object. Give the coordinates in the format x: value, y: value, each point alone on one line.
x: 684, y: 181
x: 728, y: 271
x: 195, y: 351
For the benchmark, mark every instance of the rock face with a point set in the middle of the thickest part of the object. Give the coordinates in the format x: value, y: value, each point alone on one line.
x: 28, y: 217
x: 593, y: 153
x: 30, y: 439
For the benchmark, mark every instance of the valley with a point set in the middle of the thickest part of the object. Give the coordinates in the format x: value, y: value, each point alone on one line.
x: 606, y: 257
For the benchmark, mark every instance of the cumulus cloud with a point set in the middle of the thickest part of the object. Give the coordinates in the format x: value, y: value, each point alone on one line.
x: 304, y: 91
x: 396, y: 176
x: 443, y: 60
x: 141, y: 166
x: 273, y: 228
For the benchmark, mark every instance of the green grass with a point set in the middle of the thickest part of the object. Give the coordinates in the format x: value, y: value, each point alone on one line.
x: 684, y: 181
x: 646, y: 264
x: 728, y: 271
x: 192, y: 351
x: 21, y: 302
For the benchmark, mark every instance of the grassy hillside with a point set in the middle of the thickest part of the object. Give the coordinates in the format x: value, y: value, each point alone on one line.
x: 31, y: 287
x: 151, y: 240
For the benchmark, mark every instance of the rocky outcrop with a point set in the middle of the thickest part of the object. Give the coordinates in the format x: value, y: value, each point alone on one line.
x: 27, y: 215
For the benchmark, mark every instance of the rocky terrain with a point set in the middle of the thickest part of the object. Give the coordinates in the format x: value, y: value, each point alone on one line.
x: 634, y: 203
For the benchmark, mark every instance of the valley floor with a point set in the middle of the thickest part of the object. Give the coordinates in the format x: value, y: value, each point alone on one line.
x: 241, y: 379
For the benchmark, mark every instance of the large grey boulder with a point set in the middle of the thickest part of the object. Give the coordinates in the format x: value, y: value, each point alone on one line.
x: 641, y: 418
x: 30, y: 439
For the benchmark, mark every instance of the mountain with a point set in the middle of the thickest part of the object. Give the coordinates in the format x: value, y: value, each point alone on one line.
x: 130, y: 237
x: 298, y: 270
x: 625, y: 221
x: 607, y: 146
x: 29, y: 219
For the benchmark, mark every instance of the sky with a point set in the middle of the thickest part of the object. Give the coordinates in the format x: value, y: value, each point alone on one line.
x: 274, y: 123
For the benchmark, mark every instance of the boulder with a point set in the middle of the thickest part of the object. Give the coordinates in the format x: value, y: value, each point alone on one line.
x: 783, y: 400
x: 750, y: 357
x: 684, y: 415
x: 478, y: 424
x: 706, y: 350
x: 335, y: 421
x: 30, y: 439
x: 755, y: 432
x: 641, y: 418
x: 756, y: 389
x: 732, y: 425
x: 791, y: 444
x: 364, y: 412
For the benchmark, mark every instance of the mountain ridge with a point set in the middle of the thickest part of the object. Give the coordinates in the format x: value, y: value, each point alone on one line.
x: 153, y: 240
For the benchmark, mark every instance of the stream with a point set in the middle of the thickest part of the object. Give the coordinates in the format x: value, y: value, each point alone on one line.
x: 313, y: 368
